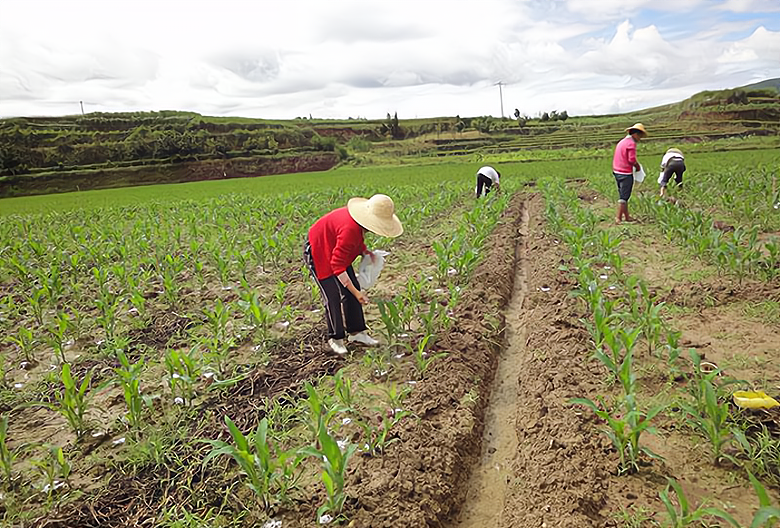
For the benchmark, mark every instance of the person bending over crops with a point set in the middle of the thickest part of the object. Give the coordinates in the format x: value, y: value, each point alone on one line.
x: 673, y: 162
x: 333, y: 244
x: 487, y: 177
x: 623, y: 164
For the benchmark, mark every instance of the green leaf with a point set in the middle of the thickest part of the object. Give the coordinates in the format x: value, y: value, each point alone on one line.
x: 763, y: 497
x: 764, y: 515
x: 238, y: 436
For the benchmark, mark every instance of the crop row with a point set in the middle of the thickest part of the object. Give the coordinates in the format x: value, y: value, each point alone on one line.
x: 622, y: 316
x: 104, y: 273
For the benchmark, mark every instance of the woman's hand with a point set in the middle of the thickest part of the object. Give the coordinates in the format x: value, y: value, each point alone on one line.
x: 361, y: 297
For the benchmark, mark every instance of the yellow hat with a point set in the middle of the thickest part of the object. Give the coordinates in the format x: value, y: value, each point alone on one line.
x: 377, y: 214
x: 639, y: 127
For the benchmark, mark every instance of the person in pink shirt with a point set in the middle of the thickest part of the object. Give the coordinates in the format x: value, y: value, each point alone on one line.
x: 624, y: 163
x: 333, y: 244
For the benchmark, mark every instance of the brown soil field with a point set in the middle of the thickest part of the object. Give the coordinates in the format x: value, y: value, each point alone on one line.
x: 493, y: 440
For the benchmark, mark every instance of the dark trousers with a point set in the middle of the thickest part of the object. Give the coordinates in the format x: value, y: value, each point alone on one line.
x: 625, y: 184
x: 674, y: 166
x: 340, y: 304
x: 483, y: 182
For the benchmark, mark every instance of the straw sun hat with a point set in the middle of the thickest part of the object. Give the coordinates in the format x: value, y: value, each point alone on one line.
x: 640, y: 127
x: 377, y: 214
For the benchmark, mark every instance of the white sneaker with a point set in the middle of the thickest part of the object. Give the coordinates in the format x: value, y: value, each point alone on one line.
x: 337, y: 345
x: 364, y: 339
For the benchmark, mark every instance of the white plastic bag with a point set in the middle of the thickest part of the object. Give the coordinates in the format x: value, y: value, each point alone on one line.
x: 368, y: 271
x: 639, y: 175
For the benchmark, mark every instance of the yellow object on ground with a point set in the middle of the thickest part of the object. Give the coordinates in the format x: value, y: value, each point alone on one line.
x: 754, y: 400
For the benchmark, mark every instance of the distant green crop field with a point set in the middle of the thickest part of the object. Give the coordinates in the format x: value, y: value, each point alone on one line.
x: 375, y: 179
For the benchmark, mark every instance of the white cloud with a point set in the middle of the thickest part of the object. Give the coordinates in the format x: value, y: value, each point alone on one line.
x: 355, y: 58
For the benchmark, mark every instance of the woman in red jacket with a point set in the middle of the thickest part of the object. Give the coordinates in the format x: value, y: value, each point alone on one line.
x: 333, y: 244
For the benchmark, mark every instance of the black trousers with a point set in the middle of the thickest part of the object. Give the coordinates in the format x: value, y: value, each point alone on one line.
x: 674, y: 166
x: 340, y: 304
x: 483, y: 182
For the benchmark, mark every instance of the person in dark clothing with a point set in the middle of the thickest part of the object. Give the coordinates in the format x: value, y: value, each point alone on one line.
x: 487, y: 178
x: 673, y: 163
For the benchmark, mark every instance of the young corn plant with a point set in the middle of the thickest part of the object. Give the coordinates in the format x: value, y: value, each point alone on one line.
x: 25, y: 341
x: 625, y: 426
x: 390, y: 312
x: 713, y: 422
x: 57, y: 335
x: 265, y: 469
x: 319, y: 412
x: 7, y: 456
x: 52, y: 467
x: 128, y: 376
x: 344, y: 392
x: 618, y: 363
x: 681, y: 515
x: 376, y: 436
x: 422, y: 359
x: 73, y: 401
x: 767, y: 514
x: 184, y: 369
x: 219, y: 342
x: 260, y: 316
x: 334, y: 468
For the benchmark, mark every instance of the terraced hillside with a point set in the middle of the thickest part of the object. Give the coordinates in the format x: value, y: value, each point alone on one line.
x: 44, y: 155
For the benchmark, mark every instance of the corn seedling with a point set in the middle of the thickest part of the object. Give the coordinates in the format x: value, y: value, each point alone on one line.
x: 625, y: 426
x: 617, y: 362
x: 36, y: 303
x: 218, y: 343
x: 334, y: 465
x: 25, y: 341
x: 319, y: 411
x: 712, y: 422
x: 392, y: 318
x: 260, y: 316
x: 128, y: 376
x: 422, y: 359
x: 57, y: 335
x: 375, y: 437
x: 7, y: 456
x: 394, y: 396
x: 183, y: 372
x: 263, y: 467
x: 53, y: 467
x: 767, y: 513
x: 72, y: 402
x: 682, y: 515
x: 343, y: 391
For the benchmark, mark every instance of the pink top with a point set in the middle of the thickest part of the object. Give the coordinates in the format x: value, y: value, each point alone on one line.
x: 625, y: 156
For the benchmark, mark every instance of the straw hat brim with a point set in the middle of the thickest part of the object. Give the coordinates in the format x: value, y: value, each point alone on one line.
x: 640, y: 127
x: 360, y: 212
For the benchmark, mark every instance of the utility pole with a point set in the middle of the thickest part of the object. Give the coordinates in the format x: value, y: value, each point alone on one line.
x: 501, y: 94
x: 82, y: 107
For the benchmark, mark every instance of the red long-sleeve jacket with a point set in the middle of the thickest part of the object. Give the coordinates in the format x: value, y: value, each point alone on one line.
x: 336, y: 241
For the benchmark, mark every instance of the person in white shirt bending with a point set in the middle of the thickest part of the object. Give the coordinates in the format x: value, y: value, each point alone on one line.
x: 673, y: 162
x: 487, y: 178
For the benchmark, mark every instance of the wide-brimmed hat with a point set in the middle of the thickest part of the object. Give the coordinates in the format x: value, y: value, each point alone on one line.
x: 639, y: 126
x: 377, y: 214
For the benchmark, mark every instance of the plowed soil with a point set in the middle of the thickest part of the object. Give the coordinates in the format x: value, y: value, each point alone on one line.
x: 481, y: 450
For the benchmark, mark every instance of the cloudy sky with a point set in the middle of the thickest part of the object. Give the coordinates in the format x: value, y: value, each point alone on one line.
x: 365, y: 58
